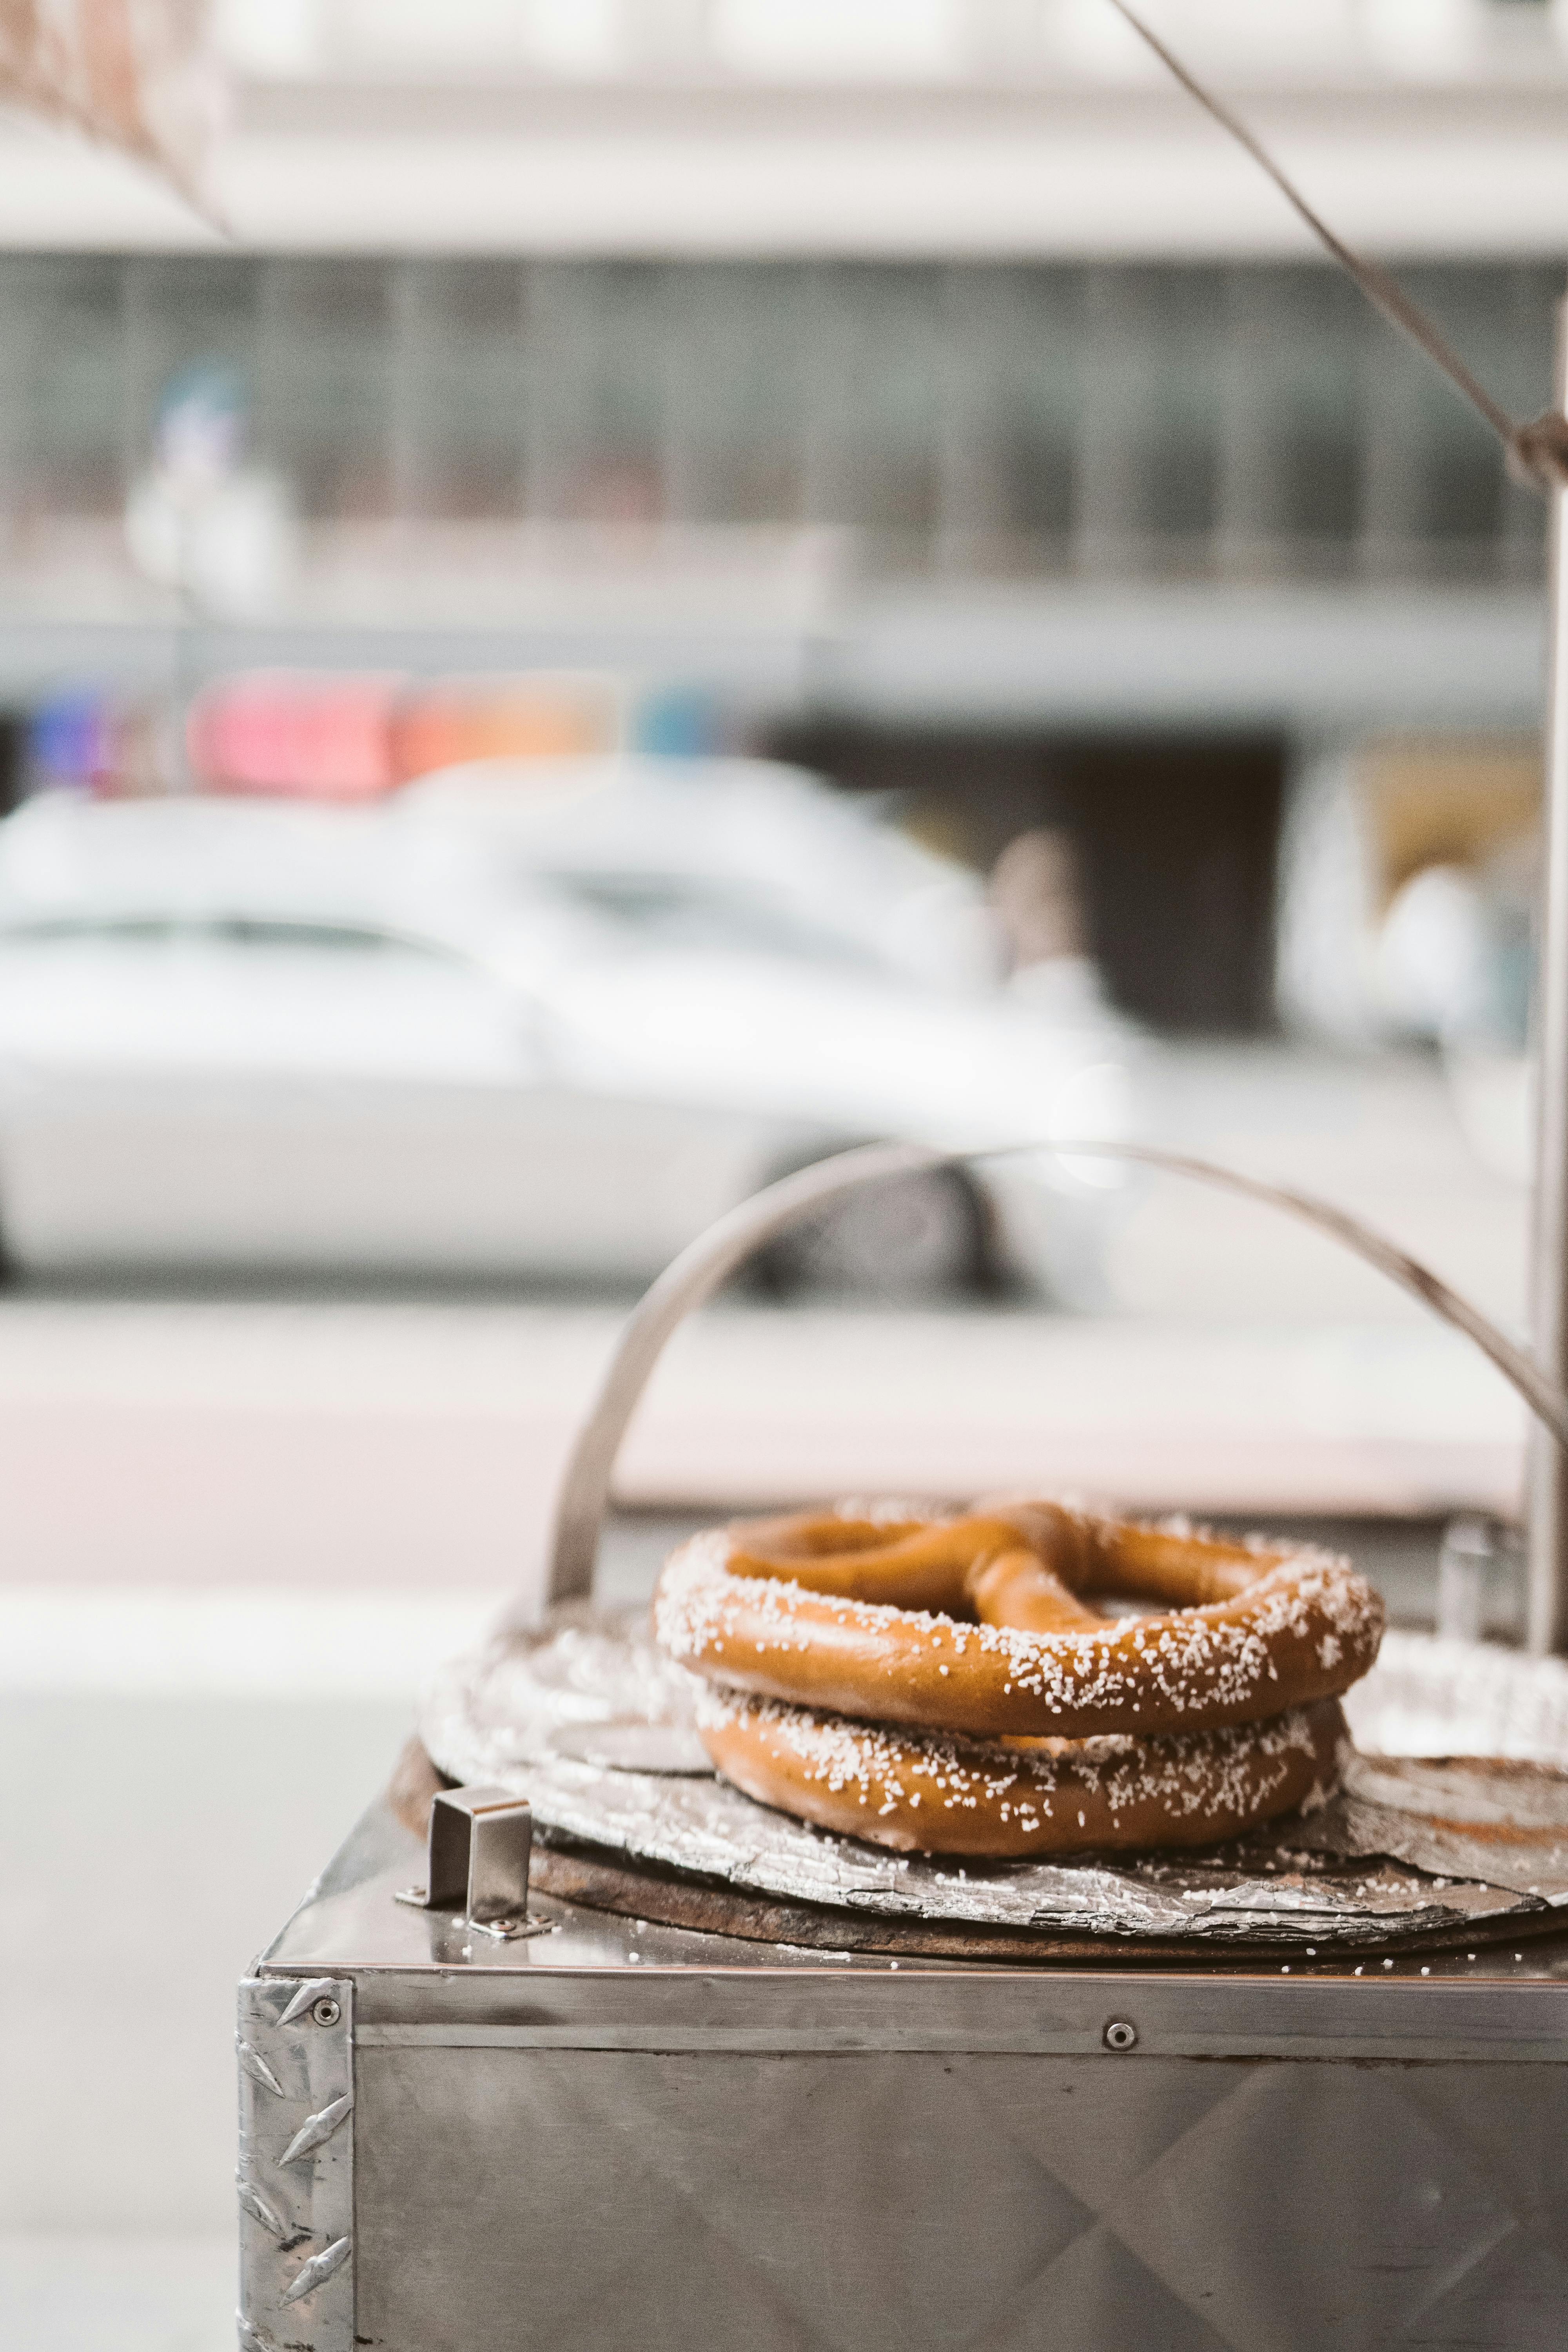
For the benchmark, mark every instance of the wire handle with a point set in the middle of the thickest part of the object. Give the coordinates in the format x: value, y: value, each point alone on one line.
x: 707, y: 1262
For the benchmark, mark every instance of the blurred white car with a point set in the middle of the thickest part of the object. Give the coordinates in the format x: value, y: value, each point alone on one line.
x: 544, y: 1019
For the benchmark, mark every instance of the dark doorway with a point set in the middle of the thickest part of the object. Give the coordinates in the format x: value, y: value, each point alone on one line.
x: 13, y: 760
x: 1176, y: 843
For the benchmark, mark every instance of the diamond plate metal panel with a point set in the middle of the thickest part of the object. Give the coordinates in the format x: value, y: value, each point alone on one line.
x: 295, y: 2182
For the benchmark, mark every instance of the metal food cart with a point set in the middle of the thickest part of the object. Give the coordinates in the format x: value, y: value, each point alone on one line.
x: 681, y: 2072
x: 677, y: 2078
x: 622, y: 2136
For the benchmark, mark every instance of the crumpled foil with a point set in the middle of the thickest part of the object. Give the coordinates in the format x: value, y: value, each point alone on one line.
x: 1454, y: 1810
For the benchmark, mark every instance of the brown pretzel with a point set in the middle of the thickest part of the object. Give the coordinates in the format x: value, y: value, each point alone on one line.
x: 979, y: 1624
x: 1040, y: 1726
x: 934, y: 1794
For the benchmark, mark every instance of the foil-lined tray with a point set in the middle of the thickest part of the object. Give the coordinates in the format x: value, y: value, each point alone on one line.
x: 1453, y: 1817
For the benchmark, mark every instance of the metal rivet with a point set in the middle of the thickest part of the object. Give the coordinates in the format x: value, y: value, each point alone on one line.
x: 1119, y: 2035
x: 326, y: 2010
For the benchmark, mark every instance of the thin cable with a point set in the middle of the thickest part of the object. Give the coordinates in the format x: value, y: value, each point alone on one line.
x: 1538, y: 451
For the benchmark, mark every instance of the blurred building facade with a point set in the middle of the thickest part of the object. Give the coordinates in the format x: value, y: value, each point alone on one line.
x: 1109, y: 421
x: 920, y: 388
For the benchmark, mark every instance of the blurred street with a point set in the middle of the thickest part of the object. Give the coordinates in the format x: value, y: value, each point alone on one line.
x: 352, y: 1443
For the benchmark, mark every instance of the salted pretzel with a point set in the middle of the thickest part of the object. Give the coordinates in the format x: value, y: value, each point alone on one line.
x: 937, y: 1792
x: 981, y: 1626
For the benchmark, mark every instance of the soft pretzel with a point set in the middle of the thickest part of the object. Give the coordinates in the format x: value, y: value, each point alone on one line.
x: 980, y: 1624
x: 934, y: 1792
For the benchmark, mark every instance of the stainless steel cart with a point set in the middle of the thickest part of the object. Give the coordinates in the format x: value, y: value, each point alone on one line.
x: 616, y: 2137
x: 531, y: 2118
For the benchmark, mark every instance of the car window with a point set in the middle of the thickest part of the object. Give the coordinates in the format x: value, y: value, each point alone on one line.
x: 677, y: 911
x: 348, y: 939
x: 143, y: 994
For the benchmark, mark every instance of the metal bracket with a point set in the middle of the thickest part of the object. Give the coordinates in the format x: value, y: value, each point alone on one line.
x: 481, y: 1840
x: 296, y: 2163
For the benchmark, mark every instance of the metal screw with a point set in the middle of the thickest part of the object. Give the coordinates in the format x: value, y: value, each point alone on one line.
x: 1119, y: 2035
x: 326, y: 2010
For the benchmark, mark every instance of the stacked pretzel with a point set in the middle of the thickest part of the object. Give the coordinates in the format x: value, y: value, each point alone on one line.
x: 947, y: 1687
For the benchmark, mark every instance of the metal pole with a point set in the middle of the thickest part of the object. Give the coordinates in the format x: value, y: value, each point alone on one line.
x: 1546, y: 1609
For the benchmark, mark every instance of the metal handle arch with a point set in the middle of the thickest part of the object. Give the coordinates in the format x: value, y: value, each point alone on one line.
x: 707, y: 1262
